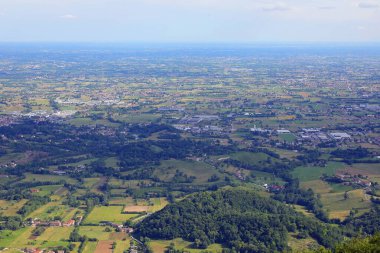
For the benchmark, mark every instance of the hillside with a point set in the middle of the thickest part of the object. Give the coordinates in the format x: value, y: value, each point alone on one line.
x: 237, y: 218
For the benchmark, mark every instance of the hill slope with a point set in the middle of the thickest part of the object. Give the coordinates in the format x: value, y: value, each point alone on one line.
x: 236, y: 217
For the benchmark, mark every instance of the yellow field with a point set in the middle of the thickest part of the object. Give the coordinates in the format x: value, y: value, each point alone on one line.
x: 158, y: 204
x: 318, y: 186
x: 285, y: 117
x: 10, y: 208
x: 339, y: 207
x: 121, y: 246
x: 56, y: 234
x: 136, y: 209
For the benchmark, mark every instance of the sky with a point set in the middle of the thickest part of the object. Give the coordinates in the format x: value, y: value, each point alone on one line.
x: 198, y: 21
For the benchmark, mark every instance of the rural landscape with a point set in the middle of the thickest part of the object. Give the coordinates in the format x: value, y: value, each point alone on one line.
x: 188, y: 149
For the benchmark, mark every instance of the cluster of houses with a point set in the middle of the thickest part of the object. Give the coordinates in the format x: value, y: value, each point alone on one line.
x: 349, y: 179
x: 240, y: 175
x: 32, y: 250
x: 274, y: 188
x: 118, y: 227
x: 75, y: 101
x: 64, y: 170
x: 7, y: 120
x: 205, y: 129
x: 55, y: 223
x: 314, y: 135
x: 191, y: 124
x: 133, y: 249
x: 11, y: 164
x: 193, y: 120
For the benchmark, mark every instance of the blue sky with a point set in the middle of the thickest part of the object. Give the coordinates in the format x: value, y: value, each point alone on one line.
x: 190, y: 20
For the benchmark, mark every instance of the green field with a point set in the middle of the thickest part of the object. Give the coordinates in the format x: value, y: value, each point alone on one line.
x: 23, y: 238
x: 47, y: 178
x: 158, y: 204
x: 107, y: 213
x: 97, y: 232
x: 138, y: 118
x: 309, y: 173
x: 47, y: 190
x: 7, y: 237
x: 251, y: 158
x: 200, y: 170
x: 112, y: 162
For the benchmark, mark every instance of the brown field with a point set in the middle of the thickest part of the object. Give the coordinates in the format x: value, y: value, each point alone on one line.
x: 135, y: 209
x: 118, y: 236
x: 104, y: 247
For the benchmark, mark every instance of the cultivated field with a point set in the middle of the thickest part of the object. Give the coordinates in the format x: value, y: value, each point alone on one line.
x: 108, y: 213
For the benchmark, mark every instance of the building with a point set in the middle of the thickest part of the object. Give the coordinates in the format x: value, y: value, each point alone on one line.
x: 283, y: 131
x: 68, y: 223
x: 340, y: 136
x: 56, y: 223
x: 259, y: 130
x: 311, y: 130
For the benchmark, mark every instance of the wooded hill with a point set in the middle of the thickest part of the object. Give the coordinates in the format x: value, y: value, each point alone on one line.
x: 238, y: 218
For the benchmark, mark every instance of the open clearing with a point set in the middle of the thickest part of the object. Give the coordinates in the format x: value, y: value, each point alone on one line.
x: 308, y: 173
x: 339, y: 207
x: 108, y: 213
x: 250, y: 157
x: 136, y: 209
x: 200, y: 170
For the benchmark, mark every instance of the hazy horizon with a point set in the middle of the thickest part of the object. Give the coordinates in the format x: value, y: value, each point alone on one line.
x: 191, y: 21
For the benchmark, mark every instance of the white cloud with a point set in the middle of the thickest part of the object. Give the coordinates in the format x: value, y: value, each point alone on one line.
x: 69, y: 16
x: 276, y: 8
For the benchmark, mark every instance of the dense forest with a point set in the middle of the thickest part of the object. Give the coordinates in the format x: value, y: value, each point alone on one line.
x: 236, y: 216
x: 370, y: 244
